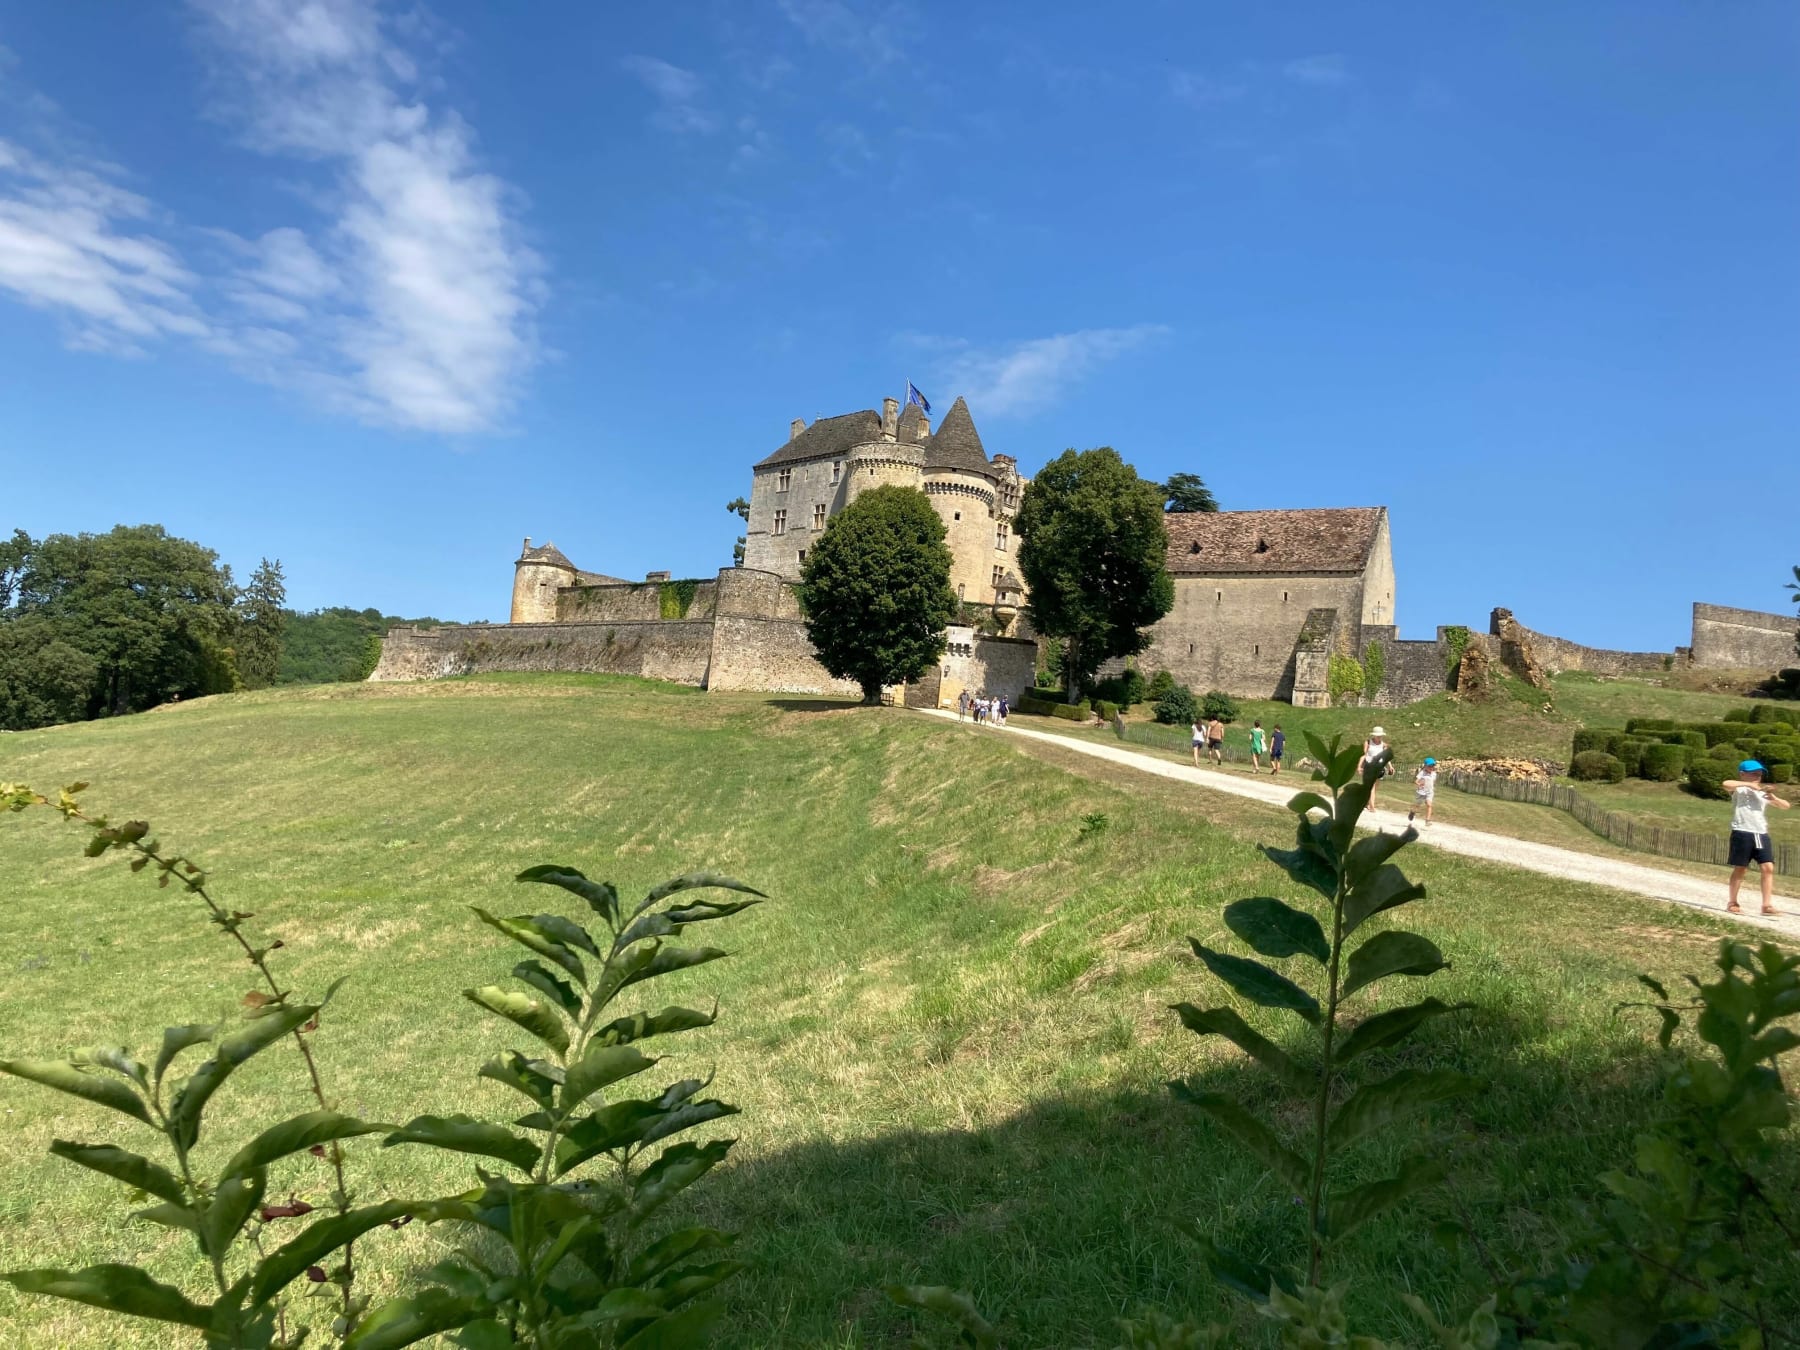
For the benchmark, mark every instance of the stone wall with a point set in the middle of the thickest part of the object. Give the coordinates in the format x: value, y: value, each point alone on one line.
x: 811, y: 483
x: 750, y: 593
x: 1743, y: 639
x: 1310, y: 677
x: 1556, y: 655
x: 1411, y: 670
x: 772, y: 655
x: 631, y: 602
x: 979, y: 664
x: 660, y: 650
x: 1238, y: 633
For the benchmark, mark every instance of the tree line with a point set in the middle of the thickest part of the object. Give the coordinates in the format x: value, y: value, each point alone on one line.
x: 97, y: 625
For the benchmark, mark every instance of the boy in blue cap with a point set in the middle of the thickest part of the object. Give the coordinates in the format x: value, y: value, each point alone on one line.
x: 1750, y: 841
x: 1424, y: 790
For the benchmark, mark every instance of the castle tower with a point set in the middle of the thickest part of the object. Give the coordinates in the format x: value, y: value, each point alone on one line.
x: 963, y: 486
x: 537, y: 576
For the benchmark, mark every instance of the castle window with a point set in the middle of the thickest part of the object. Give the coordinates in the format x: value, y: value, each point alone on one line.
x: 1000, y: 533
x: 783, y: 479
x: 1284, y: 597
x: 803, y: 556
x: 1262, y: 546
x: 781, y: 522
x: 958, y: 515
x: 1190, y: 649
x: 959, y: 590
x: 1218, y: 597
x: 819, y: 516
x: 837, y: 467
x: 999, y: 576
x: 1256, y: 649
x: 1194, y: 547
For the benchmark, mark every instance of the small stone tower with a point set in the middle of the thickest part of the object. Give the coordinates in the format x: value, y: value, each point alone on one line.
x: 537, y: 576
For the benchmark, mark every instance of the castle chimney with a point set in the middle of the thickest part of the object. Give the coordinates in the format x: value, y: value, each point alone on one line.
x: 924, y: 432
x: 656, y: 576
x: 795, y: 427
x: 890, y: 418
x: 527, y: 547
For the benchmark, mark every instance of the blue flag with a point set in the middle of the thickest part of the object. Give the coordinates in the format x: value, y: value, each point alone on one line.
x: 914, y: 396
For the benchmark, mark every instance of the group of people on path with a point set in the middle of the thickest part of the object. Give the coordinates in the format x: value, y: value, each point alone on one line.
x: 1209, y: 736
x: 983, y: 708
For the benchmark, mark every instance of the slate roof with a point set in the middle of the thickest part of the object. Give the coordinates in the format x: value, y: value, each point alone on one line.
x: 547, y: 553
x: 829, y: 437
x: 912, y: 420
x: 956, y: 444
x: 1326, y: 539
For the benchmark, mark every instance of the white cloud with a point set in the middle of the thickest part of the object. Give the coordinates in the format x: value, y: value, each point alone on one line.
x: 1328, y: 70
x: 679, y: 94
x: 1025, y: 376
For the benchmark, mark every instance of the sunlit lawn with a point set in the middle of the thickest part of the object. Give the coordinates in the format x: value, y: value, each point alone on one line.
x: 948, y: 1029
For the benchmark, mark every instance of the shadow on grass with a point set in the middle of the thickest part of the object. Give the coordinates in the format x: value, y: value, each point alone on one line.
x: 1083, y: 1207
x: 814, y: 705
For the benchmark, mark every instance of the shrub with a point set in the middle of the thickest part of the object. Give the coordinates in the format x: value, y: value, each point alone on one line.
x: 1126, y: 690
x: 1694, y: 740
x: 1070, y: 712
x: 1220, y: 705
x: 1781, y: 773
x: 1374, y: 667
x: 1589, y: 738
x: 1177, y: 708
x: 1616, y: 742
x: 1706, y: 779
x: 1037, y: 707
x: 1596, y: 766
x: 1637, y: 724
x: 1665, y: 763
x: 1043, y: 707
x: 1107, y: 710
x: 1719, y: 732
x: 1456, y: 641
x: 1160, y: 683
x: 1343, y: 677
x: 1630, y: 753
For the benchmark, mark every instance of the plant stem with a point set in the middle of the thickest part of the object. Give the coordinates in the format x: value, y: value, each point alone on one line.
x: 1316, y: 1201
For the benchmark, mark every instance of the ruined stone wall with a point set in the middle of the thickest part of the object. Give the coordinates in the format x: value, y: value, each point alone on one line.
x: 1555, y: 655
x: 660, y: 650
x: 632, y: 602
x: 1411, y: 670
x: 1310, y: 677
x: 1237, y: 633
x: 1743, y: 639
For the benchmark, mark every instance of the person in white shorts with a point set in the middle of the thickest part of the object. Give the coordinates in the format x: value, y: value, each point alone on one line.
x: 1750, y: 841
x: 1424, y: 790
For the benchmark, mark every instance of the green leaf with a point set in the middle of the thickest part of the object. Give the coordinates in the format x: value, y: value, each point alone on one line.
x: 465, y: 1134
x: 1224, y: 1022
x: 1318, y: 749
x: 137, y: 1172
x: 1275, y: 928
x: 65, y: 1077
x: 565, y: 931
x: 1302, y: 802
x: 516, y: 1072
x: 666, y: 1251
x: 1393, y: 1099
x: 678, y: 1331
x: 406, y: 1321
x: 522, y: 929
x: 484, y: 1334
x: 175, y: 1040
x: 1341, y: 771
x: 646, y: 963
x: 599, y: 1067
x: 1287, y: 1166
x: 1654, y: 986
x: 1351, y: 803
x: 670, y: 922
x: 632, y: 1122
x: 1371, y: 851
x: 678, y: 1167
x: 172, y: 1216
x: 1384, y: 888
x: 693, y: 881
x: 1242, y: 1275
x: 119, y: 1060
x: 942, y: 1301
x: 1391, y: 953
x: 234, y: 1199
x: 1391, y: 1027
x: 559, y: 992
x: 116, y: 1288
x: 535, y: 1017
x: 676, y: 1287
x: 295, y: 1135
x: 287, y: 1263
x: 642, y: 1026
x: 184, y: 1115
x: 1303, y: 868
x: 1346, y: 1211
x: 1257, y: 982
x: 600, y: 895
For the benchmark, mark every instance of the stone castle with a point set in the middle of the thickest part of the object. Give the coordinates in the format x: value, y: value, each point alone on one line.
x: 1263, y: 599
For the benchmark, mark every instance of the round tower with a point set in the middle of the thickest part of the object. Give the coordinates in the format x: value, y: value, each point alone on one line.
x: 963, y: 486
x: 883, y: 464
x: 537, y: 576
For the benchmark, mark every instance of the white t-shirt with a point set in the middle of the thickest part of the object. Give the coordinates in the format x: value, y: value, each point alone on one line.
x: 1748, y: 812
x: 1425, y: 780
x: 1199, y: 735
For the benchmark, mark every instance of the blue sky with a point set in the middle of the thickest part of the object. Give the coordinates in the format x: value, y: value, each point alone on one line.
x: 380, y: 289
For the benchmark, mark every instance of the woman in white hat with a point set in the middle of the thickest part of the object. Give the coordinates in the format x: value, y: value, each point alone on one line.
x: 1375, y: 745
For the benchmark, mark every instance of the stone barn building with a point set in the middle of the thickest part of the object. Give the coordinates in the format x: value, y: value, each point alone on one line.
x: 1262, y: 597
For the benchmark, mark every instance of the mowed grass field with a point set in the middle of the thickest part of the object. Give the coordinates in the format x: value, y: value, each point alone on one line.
x: 948, y: 1029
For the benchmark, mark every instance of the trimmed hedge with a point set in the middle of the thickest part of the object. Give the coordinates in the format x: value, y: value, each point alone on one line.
x: 1125, y: 690
x: 1706, y: 780
x: 1596, y: 766
x: 1650, y: 724
x: 1177, y: 708
x: 1665, y: 763
x: 1043, y: 707
x: 1160, y: 684
x: 1590, y: 738
x: 1781, y: 773
x: 1106, y: 709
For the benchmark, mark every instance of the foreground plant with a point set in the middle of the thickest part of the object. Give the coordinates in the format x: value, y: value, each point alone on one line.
x: 580, y: 1268
x: 1356, y: 881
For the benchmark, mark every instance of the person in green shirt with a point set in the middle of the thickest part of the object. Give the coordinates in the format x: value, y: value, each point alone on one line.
x: 1259, y: 746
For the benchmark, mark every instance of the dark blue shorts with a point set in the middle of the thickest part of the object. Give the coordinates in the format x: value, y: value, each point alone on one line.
x: 1747, y: 848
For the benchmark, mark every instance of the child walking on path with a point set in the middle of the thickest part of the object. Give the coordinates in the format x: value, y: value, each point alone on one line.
x: 1199, y: 739
x: 1258, y: 747
x: 1424, y: 790
x: 1215, y: 740
x: 1750, y: 841
x: 1276, y: 748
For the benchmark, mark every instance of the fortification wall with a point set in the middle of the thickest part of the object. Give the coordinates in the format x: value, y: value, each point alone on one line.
x: 979, y: 664
x: 1556, y: 655
x: 661, y: 650
x: 1237, y: 633
x: 628, y: 602
x: 1743, y: 639
x: 1411, y: 669
x: 772, y: 655
x: 749, y: 593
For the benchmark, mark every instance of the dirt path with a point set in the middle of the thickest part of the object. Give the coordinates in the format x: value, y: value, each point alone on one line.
x: 1636, y: 878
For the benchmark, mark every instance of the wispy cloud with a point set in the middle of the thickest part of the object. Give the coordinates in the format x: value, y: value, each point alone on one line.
x: 679, y: 94
x: 1191, y: 86
x: 1025, y: 376
x: 835, y: 23
x: 1328, y: 70
x: 410, y: 305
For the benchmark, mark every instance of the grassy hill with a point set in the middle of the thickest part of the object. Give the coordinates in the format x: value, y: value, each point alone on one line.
x: 948, y: 1030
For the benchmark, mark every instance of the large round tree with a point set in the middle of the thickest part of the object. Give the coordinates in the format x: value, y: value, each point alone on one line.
x: 1092, y: 547
x: 876, y: 588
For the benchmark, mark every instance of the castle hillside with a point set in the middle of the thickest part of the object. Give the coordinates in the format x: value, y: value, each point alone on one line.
x: 1264, y: 600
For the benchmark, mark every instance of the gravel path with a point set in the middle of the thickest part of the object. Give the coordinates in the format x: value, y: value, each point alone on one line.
x: 1636, y: 878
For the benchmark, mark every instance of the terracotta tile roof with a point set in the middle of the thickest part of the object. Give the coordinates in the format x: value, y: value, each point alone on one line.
x: 1327, y: 539
x: 829, y: 437
x: 956, y: 444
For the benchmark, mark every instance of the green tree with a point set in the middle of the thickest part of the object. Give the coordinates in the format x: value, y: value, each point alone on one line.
x: 261, y: 624
x: 44, y: 680
x: 876, y: 589
x: 1188, y: 492
x: 1794, y: 586
x: 1092, y: 545
x: 15, y: 552
x: 739, y: 507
